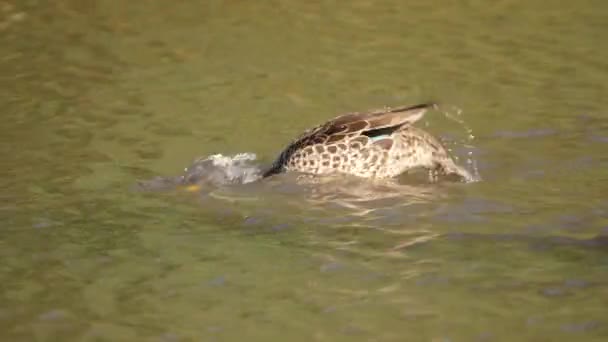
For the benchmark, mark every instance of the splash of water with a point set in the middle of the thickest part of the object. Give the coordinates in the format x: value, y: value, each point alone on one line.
x: 217, y: 170
x: 222, y: 170
x: 455, y: 115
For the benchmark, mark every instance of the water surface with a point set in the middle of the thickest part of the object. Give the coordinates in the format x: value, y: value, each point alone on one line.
x: 97, y: 95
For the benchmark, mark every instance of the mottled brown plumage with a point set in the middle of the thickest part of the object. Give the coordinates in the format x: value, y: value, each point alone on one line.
x: 376, y: 144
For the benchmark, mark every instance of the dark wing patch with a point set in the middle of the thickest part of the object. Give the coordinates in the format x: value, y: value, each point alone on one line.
x: 319, y: 139
x: 335, y: 138
x: 357, y: 126
x: 381, y: 131
x: 334, y: 129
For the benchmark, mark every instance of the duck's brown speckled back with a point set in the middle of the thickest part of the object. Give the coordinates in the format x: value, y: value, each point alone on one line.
x: 375, y: 144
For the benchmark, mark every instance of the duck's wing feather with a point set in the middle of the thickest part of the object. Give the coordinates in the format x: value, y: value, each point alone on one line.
x: 353, y: 124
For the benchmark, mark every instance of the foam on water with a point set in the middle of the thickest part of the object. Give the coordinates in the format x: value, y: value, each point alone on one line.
x: 216, y: 170
x: 221, y: 170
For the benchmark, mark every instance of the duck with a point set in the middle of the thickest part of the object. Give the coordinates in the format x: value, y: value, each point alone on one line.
x: 375, y: 144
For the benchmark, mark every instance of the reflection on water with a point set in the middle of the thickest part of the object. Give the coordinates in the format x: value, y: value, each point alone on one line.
x: 99, y: 95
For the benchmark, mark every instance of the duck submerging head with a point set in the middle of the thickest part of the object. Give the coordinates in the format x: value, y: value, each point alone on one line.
x: 375, y: 144
x: 218, y: 170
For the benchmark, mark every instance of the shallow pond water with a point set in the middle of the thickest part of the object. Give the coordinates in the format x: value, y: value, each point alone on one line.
x: 97, y: 95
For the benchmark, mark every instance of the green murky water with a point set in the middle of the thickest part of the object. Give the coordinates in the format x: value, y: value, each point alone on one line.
x: 99, y: 94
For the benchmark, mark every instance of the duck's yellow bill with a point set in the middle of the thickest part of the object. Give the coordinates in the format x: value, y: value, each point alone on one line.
x: 193, y: 188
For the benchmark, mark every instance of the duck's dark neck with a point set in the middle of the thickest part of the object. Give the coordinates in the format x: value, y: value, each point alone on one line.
x: 272, y: 170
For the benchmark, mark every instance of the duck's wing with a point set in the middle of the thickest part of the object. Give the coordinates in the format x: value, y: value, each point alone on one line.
x: 381, y: 118
x: 352, y: 125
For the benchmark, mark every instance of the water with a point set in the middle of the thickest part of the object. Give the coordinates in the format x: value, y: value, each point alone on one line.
x: 99, y: 95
